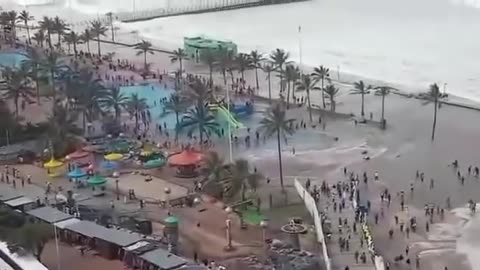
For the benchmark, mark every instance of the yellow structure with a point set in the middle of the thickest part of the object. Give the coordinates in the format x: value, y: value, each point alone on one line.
x: 54, y: 167
x: 113, y: 157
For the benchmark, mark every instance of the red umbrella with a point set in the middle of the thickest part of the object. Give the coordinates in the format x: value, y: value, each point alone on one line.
x: 78, y: 154
x: 185, y: 158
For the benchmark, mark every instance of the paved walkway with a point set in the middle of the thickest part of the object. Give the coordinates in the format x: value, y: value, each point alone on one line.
x: 340, y: 259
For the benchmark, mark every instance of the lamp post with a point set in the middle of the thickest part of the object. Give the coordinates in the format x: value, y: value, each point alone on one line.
x: 116, y: 188
x: 228, y: 224
x: 264, y: 225
x: 167, y: 198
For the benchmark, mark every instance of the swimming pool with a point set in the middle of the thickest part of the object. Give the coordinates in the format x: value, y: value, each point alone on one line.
x: 153, y: 93
x: 12, y: 60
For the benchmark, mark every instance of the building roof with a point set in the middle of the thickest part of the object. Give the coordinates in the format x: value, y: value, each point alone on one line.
x: 49, y: 214
x: 119, y: 237
x: 163, y: 259
x: 64, y: 223
x: 8, y: 193
x: 19, y: 201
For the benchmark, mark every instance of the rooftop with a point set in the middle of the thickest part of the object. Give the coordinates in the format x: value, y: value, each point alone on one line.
x: 119, y: 237
x: 49, y: 214
x: 19, y: 201
x: 8, y: 193
x: 163, y: 259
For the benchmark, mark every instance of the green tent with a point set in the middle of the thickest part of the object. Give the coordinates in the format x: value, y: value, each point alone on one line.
x: 196, y: 46
x: 97, y: 180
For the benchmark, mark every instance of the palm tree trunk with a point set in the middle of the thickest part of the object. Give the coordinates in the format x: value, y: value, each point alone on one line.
x: 54, y: 94
x: 323, y: 94
x: 363, y: 105
x: 309, y: 106
x: 200, y: 130
x: 16, y: 108
x: 75, y: 49
x: 84, y: 120
x: 28, y: 33
x: 177, y: 126
x: 224, y: 73
x: 88, y: 47
x: 383, y: 112
x: 136, y: 122
x: 269, y: 88
x: 181, y: 67
x: 145, y: 60
x: 256, y: 78
x: 288, y: 95
x: 49, y: 39
x: 280, y: 160
x: 37, y: 88
x: 98, y: 44
x: 434, y: 119
x: 243, y: 75
x: 332, y: 104
x: 59, y: 40
x: 211, y: 75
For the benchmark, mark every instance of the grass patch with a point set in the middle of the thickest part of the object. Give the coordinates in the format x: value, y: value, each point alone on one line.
x: 252, y: 216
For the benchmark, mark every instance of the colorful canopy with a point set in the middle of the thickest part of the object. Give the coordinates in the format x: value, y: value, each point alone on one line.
x: 185, y: 158
x: 53, y: 164
x: 77, y: 173
x: 154, y: 163
x: 108, y: 165
x: 97, y: 180
x: 114, y: 157
x: 78, y: 154
x: 146, y: 153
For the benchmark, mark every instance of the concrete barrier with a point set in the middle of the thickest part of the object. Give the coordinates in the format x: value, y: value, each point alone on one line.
x: 317, y: 219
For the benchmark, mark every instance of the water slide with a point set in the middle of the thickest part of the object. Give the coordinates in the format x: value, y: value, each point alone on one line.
x: 227, y: 116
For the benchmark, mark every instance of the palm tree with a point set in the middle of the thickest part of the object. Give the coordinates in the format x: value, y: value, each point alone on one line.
x: 177, y: 104
x: 73, y: 38
x: 243, y: 63
x: 11, y: 17
x: 115, y: 100
x: 214, y: 172
x: 209, y: 59
x: 291, y: 74
x: 268, y: 68
x: 91, y: 95
x: 256, y: 59
x: 198, y: 94
x: 135, y: 106
x: 238, y: 178
x: 383, y: 91
x: 225, y: 63
x: 60, y: 28
x: 62, y: 129
x: 86, y: 36
x: 17, y: 86
x: 434, y: 95
x: 322, y: 74
x: 279, y: 59
x: 200, y: 118
x: 33, y: 62
x: 307, y: 84
x: 331, y: 92
x: 275, y: 121
x: 51, y: 65
x: 25, y: 17
x: 47, y: 25
x: 97, y: 30
x: 144, y: 47
x: 39, y: 37
x: 178, y: 56
x: 361, y: 89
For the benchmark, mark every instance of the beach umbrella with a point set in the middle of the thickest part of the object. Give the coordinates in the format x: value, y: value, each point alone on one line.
x: 97, y: 180
x: 52, y: 164
x: 78, y: 154
x: 114, y: 157
x: 77, y: 173
x: 154, y: 163
x: 109, y: 165
x: 185, y: 158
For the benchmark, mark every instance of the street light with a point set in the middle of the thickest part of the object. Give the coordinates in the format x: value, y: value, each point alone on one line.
x: 117, y: 189
x: 264, y: 225
x: 228, y: 224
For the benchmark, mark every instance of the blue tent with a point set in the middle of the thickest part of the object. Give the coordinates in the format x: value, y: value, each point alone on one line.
x: 108, y: 165
x: 77, y: 173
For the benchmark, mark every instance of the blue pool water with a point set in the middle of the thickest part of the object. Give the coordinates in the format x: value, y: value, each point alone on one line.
x: 12, y: 60
x: 153, y: 93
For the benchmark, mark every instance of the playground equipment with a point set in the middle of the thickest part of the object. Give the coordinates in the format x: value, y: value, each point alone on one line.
x: 242, y: 110
x: 186, y: 162
x: 226, y: 116
x: 54, y: 168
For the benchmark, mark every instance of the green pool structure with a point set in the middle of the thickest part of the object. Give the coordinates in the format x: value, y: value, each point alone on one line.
x: 252, y: 216
x: 195, y: 47
x: 12, y: 59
